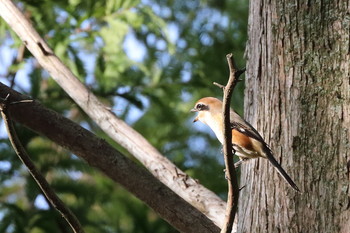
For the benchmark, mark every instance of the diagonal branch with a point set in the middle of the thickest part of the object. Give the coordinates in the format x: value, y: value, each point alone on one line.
x: 99, y: 154
x: 50, y: 194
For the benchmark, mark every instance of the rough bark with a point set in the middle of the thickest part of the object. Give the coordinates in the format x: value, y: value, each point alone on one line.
x: 298, y: 96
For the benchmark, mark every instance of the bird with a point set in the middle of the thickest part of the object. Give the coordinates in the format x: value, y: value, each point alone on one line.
x: 247, y: 142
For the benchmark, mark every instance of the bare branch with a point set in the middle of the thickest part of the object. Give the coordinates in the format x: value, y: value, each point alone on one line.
x: 231, y: 175
x: 50, y: 194
x: 194, y: 193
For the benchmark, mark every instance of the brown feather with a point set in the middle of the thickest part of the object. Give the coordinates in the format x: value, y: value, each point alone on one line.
x: 242, y: 140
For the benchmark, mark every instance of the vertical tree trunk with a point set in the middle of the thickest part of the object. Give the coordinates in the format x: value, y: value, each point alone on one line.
x: 298, y: 97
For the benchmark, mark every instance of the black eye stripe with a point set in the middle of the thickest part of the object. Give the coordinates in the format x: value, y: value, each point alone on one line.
x: 202, y: 107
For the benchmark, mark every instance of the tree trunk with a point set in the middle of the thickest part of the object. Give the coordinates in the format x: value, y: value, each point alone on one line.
x: 298, y: 97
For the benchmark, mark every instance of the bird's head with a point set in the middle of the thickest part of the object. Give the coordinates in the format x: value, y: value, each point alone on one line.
x: 206, y: 107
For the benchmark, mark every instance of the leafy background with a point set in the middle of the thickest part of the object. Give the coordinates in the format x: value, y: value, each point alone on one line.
x: 149, y: 61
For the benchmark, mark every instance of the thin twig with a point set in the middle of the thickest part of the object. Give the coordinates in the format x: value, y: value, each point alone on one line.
x: 219, y: 85
x: 38, y: 177
x: 233, y: 189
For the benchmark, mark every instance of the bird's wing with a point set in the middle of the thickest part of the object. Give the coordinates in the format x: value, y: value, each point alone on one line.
x: 244, y: 127
x: 248, y: 131
x: 237, y: 123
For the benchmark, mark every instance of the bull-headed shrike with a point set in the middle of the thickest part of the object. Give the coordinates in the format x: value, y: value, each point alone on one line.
x: 246, y: 140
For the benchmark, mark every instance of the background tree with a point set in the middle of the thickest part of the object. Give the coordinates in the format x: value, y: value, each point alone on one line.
x: 298, y: 94
x: 150, y: 61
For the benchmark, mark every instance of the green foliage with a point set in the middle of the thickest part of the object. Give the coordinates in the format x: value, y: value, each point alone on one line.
x: 148, y: 60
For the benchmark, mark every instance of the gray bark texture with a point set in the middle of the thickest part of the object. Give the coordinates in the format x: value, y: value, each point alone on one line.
x: 298, y: 98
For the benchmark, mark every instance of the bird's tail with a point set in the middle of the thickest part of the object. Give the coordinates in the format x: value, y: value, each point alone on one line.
x: 280, y: 170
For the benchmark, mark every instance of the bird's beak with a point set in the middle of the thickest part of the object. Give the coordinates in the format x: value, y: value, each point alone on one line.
x: 194, y: 110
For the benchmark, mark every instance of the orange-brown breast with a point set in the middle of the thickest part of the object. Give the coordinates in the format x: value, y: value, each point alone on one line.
x: 242, y: 140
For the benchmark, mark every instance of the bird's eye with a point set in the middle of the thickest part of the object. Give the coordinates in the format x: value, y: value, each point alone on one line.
x: 201, y: 107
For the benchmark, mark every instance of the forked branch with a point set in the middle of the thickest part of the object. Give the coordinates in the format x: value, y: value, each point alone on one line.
x: 231, y: 175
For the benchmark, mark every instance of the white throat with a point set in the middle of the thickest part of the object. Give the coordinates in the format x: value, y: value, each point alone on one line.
x: 215, y: 123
